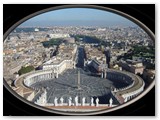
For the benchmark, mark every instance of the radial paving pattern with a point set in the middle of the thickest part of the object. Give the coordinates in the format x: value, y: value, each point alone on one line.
x: 66, y: 86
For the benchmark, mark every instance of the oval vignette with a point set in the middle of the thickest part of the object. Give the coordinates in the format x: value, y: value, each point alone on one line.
x: 72, y: 97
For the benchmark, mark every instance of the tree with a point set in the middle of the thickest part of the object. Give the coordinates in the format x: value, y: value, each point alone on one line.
x: 24, y: 70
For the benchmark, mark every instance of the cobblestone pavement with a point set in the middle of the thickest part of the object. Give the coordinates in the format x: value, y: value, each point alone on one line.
x: 66, y: 86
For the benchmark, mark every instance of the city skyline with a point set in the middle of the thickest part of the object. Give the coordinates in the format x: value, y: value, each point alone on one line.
x: 78, y: 17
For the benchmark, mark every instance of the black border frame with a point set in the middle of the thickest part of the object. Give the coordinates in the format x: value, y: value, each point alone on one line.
x: 146, y: 29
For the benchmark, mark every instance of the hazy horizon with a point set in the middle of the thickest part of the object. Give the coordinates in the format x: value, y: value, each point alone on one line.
x: 78, y: 17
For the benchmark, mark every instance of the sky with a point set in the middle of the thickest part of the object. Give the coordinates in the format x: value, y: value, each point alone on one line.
x: 78, y: 17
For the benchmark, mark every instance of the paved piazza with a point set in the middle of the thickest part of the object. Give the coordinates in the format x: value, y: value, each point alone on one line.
x: 66, y: 86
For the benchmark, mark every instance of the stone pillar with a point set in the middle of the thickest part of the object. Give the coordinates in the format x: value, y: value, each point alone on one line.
x: 97, y: 102
x: 105, y: 72
x: 57, y: 75
x: 115, y: 89
x: 110, y: 102
x: 83, y: 101
x: 101, y: 74
x: 84, y: 63
x: 50, y: 75
x: 76, y: 101
x: 69, y: 101
x: 55, y: 101
x: 92, y: 101
x: 105, y: 75
x: 61, y: 100
x: 125, y: 100
x: 74, y: 65
x: 45, y: 97
x: 120, y: 68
